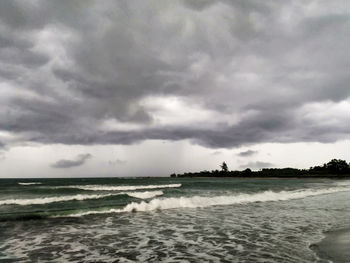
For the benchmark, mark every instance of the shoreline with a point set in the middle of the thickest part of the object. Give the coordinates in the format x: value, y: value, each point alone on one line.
x: 266, y: 177
x: 334, y: 246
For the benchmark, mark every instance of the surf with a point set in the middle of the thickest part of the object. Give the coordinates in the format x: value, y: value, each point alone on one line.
x: 201, y: 201
x: 29, y: 183
x: 54, y: 199
x: 78, y: 197
x: 145, y: 195
x: 119, y: 188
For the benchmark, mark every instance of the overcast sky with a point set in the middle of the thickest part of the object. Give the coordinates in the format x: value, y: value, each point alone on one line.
x: 130, y: 88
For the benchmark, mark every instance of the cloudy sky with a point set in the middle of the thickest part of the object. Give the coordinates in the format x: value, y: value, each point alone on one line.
x: 130, y: 88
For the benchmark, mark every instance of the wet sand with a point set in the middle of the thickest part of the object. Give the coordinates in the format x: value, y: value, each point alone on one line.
x: 335, y: 246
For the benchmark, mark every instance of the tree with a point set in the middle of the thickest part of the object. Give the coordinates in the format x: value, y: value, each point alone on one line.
x: 224, y: 167
x: 247, y: 172
x: 337, y: 166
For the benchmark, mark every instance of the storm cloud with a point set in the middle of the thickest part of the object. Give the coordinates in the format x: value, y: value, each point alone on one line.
x: 219, y: 73
x: 247, y: 153
x: 78, y: 161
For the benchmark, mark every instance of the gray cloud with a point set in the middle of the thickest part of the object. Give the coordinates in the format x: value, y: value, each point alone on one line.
x: 2, y: 151
x: 247, y: 153
x: 70, y: 67
x: 78, y: 161
x: 256, y: 165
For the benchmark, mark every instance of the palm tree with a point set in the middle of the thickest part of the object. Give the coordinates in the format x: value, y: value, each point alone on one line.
x: 224, y: 167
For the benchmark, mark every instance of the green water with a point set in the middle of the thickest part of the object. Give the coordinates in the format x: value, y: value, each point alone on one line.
x: 168, y: 219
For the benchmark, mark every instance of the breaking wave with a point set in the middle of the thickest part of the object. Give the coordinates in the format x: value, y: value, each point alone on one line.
x: 30, y: 183
x: 120, y: 188
x: 78, y: 197
x: 145, y: 195
x: 47, y: 200
x: 199, y: 201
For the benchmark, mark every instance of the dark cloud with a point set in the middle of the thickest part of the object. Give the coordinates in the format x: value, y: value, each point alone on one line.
x: 78, y: 72
x: 78, y: 161
x: 2, y: 151
x: 199, y: 5
x: 256, y: 165
x: 247, y: 153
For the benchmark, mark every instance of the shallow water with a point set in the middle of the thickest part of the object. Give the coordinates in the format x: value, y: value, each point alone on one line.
x: 167, y: 219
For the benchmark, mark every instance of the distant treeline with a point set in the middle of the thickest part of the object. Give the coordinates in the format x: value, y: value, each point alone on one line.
x: 334, y: 168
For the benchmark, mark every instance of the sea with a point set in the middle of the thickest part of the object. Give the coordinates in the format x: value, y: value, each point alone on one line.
x: 169, y: 219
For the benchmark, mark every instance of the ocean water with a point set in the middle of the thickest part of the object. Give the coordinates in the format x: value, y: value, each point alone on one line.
x: 168, y: 219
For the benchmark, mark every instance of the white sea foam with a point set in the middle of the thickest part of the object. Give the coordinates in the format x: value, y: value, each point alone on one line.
x: 30, y: 183
x: 342, y: 183
x: 47, y: 200
x: 145, y: 195
x: 78, y: 197
x: 120, y: 188
x: 200, y: 201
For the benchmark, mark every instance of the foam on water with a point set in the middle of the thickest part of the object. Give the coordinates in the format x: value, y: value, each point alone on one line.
x: 29, y: 183
x: 145, y: 195
x: 47, y: 200
x: 236, y: 228
x: 120, y: 188
x: 200, y: 201
x: 78, y: 197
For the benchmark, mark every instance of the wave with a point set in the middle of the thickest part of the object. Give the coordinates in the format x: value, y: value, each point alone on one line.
x: 200, y: 201
x: 145, y: 195
x: 78, y: 197
x: 119, y: 188
x: 47, y: 200
x: 30, y: 183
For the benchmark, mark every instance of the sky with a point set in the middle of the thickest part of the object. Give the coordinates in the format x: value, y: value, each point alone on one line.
x: 148, y: 88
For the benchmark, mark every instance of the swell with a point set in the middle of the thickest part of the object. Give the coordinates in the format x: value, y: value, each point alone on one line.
x: 78, y: 197
x: 119, y: 188
x: 30, y: 183
x: 200, y: 201
x: 47, y: 200
x: 145, y: 195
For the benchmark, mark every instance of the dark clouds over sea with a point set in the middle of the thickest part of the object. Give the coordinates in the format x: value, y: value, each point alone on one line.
x: 74, y: 72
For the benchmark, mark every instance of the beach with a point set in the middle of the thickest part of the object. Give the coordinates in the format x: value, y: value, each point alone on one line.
x: 335, y: 246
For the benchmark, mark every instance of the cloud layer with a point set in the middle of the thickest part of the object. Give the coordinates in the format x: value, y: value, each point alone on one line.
x: 219, y: 73
x: 78, y: 161
x: 247, y: 153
